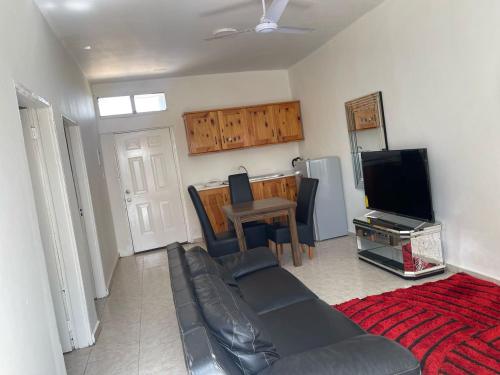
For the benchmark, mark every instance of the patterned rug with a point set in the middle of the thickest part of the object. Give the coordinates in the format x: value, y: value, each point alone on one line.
x: 451, y: 326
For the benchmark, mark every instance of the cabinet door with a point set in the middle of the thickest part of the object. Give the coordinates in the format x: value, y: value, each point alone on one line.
x: 288, y: 121
x: 274, y: 188
x: 233, y: 128
x: 213, y: 200
x: 291, y: 188
x: 261, y: 125
x: 202, y: 132
x: 257, y: 190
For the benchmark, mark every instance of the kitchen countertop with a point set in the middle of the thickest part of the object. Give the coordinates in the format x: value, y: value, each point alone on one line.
x: 264, y: 177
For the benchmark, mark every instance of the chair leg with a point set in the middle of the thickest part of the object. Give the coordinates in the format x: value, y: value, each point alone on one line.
x: 281, y: 248
x: 303, y: 247
x: 311, y: 252
x: 276, y: 250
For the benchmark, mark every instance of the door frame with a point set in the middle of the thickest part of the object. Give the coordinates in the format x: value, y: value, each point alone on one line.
x: 75, y: 149
x: 35, y: 143
x: 178, y: 175
x: 78, y: 307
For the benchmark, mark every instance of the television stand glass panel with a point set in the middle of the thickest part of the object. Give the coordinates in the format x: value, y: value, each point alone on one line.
x: 409, y: 248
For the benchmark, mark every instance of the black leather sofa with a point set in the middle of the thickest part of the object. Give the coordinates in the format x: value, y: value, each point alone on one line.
x: 244, y: 314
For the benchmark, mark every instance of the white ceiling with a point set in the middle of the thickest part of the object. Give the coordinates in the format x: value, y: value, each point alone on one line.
x: 144, y: 38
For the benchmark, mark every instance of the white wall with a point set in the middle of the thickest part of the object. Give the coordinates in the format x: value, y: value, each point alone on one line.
x: 438, y: 66
x: 197, y: 93
x: 30, y: 55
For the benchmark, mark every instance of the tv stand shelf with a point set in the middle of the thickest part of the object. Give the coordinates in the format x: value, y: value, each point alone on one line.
x: 406, y: 247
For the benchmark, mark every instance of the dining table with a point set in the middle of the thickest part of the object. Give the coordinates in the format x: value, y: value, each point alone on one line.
x: 261, y: 209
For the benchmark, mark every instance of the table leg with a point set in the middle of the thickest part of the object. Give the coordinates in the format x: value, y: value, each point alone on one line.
x: 297, y: 256
x: 240, y: 234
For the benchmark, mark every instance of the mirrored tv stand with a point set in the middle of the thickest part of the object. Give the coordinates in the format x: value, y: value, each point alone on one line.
x: 407, y: 247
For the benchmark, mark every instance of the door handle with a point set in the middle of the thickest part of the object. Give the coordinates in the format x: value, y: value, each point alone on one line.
x: 127, y: 191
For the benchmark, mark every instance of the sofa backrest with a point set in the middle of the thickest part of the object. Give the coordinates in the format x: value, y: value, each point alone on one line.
x: 202, y: 353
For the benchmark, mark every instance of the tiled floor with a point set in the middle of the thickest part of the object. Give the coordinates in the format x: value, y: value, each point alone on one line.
x: 139, y: 327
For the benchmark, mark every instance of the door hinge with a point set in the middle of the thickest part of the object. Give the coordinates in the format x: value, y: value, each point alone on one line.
x: 81, y: 212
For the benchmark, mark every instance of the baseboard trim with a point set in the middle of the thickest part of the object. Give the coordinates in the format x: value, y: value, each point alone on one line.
x: 109, y: 282
x: 456, y: 269
x: 97, y: 331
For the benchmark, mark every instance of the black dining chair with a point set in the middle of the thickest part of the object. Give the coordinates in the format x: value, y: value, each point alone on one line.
x: 219, y: 244
x: 280, y: 233
x: 240, y: 191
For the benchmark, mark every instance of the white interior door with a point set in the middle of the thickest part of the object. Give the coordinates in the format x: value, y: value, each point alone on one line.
x: 47, y: 224
x: 84, y: 200
x: 151, y: 188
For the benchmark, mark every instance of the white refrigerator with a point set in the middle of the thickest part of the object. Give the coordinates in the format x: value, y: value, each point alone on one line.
x: 330, y: 217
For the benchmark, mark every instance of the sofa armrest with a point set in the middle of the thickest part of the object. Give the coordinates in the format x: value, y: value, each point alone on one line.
x: 365, y: 354
x: 245, y: 262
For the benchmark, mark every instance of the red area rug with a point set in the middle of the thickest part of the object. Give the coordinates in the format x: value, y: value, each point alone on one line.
x: 451, y: 326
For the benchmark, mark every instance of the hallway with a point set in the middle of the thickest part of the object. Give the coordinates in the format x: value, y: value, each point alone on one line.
x: 139, y: 330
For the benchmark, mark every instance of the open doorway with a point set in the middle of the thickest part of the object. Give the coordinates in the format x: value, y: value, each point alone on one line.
x: 81, y: 189
x: 67, y: 260
x: 48, y: 225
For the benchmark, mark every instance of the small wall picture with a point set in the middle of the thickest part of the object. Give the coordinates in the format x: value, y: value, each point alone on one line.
x: 365, y: 112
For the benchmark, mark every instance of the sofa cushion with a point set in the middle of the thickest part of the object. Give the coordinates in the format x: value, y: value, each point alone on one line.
x: 272, y: 288
x: 364, y: 354
x: 246, y: 262
x: 307, y: 325
x: 234, y: 324
x: 200, y: 263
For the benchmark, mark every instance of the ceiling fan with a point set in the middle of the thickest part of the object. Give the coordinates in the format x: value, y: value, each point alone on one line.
x: 268, y: 23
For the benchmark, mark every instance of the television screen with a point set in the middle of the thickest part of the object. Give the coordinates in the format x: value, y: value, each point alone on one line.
x: 398, y: 182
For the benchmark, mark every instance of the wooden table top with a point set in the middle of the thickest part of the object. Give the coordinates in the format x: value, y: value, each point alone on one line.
x: 260, y: 206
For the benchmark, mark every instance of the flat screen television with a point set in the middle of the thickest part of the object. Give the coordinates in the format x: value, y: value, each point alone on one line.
x: 398, y: 182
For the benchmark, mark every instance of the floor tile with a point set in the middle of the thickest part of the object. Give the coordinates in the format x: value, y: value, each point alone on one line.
x: 139, y: 326
x: 76, y: 361
x: 117, y: 365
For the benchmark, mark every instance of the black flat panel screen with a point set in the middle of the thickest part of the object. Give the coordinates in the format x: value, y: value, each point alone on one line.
x: 398, y: 182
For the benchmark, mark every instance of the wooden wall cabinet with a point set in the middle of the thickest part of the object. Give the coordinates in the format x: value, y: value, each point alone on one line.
x: 214, y: 199
x: 288, y: 121
x: 261, y: 125
x: 202, y: 132
x: 234, y: 128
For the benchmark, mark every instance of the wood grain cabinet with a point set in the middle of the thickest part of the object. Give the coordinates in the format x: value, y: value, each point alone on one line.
x: 261, y: 125
x: 234, y: 128
x: 202, y: 132
x: 288, y: 121
x: 214, y: 199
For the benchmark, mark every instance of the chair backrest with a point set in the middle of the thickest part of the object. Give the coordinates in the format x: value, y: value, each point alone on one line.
x: 239, y: 188
x: 206, y: 226
x: 305, y: 200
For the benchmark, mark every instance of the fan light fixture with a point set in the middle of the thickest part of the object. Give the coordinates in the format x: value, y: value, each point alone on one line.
x: 268, y: 23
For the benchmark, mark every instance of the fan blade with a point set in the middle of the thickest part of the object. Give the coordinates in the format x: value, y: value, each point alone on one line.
x: 227, y: 35
x: 275, y: 11
x: 294, y: 30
